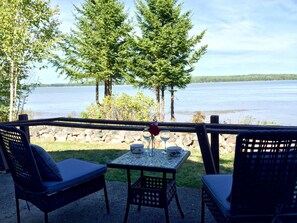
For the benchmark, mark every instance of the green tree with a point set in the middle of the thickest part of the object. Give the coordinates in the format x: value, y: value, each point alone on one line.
x: 97, y: 47
x: 4, y: 97
x: 164, y: 53
x: 28, y: 31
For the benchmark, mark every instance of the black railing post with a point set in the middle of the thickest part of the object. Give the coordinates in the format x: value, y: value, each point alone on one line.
x: 25, y: 128
x: 214, y: 119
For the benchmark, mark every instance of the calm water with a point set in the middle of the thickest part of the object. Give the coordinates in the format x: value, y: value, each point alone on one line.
x: 273, y: 101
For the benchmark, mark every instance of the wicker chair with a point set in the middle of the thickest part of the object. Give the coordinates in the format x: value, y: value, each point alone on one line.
x: 79, y: 178
x: 263, y: 186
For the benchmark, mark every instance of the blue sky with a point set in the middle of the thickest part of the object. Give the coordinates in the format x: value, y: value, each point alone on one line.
x: 243, y: 36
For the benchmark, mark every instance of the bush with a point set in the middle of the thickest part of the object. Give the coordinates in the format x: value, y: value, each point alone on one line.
x: 124, y: 107
x: 92, y: 111
x: 198, y: 117
x: 4, y: 111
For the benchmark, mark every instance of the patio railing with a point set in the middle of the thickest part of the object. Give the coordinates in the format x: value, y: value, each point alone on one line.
x: 214, y: 128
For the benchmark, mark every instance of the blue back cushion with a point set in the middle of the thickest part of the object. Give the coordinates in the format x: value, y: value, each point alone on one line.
x: 47, y: 167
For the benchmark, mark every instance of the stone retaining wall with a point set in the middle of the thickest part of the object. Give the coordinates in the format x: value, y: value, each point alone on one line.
x: 64, y: 134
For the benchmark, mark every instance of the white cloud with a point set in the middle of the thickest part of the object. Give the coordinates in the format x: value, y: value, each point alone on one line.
x: 259, y: 36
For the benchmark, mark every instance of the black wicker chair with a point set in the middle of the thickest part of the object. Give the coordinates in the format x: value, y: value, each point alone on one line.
x: 263, y: 186
x: 79, y: 178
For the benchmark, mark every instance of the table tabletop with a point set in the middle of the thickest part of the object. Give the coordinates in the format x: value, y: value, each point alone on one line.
x: 157, y: 163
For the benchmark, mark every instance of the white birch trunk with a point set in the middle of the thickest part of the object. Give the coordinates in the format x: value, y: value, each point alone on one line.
x: 162, y: 104
x: 12, y: 91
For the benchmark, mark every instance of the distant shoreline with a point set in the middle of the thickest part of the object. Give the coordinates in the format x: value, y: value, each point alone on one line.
x: 202, y: 79
x: 248, y: 77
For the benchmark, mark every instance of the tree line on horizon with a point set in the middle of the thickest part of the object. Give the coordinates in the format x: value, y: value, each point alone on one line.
x: 195, y: 79
x: 245, y: 77
x: 103, y: 47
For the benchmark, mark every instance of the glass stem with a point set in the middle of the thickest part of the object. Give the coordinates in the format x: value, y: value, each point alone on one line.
x: 151, y: 148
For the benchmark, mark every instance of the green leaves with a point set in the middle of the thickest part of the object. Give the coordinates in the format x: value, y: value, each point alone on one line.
x: 168, y: 52
x: 29, y: 28
x: 165, y: 54
x: 28, y: 33
x: 123, y: 107
x: 97, y: 47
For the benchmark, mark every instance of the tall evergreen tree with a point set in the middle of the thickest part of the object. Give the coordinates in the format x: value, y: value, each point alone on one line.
x: 96, y: 47
x: 164, y: 53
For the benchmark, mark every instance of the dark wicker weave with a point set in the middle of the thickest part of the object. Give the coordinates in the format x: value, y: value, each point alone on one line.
x: 264, y: 186
x: 147, y: 191
x: 27, y: 181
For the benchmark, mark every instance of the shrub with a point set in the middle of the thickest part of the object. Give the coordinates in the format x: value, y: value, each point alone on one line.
x: 198, y: 117
x: 4, y: 111
x: 124, y: 107
x: 92, y: 111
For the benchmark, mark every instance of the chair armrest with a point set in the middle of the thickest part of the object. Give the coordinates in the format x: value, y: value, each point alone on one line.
x: 205, y: 148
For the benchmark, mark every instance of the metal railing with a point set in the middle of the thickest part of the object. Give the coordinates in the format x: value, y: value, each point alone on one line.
x: 214, y: 127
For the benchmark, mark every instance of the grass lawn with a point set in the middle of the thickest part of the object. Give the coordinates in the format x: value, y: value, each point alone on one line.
x: 188, y: 175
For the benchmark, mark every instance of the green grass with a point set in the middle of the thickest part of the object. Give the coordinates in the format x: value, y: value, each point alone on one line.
x: 188, y: 175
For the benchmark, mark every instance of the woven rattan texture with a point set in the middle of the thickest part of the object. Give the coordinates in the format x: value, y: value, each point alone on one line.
x: 264, y: 179
x: 21, y: 162
x: 147, y: 191
x: 28, y: 184
x: 265, y: 172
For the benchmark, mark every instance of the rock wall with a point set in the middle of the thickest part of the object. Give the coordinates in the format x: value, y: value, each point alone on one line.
x: 64, y: 134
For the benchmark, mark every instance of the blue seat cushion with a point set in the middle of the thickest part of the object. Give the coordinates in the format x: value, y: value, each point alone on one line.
x: 218, y: 187
x: 74, y: 171
x: 47, y: 167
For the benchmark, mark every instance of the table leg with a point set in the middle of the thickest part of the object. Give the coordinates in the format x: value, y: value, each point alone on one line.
x: 202, y: 207
x: 164, y: 194
x: 177, y: 201
x: 166, y: 213
x: 127, y: 211
x: 129, y: 196
x: 139, y: 205
x: 178, y: 206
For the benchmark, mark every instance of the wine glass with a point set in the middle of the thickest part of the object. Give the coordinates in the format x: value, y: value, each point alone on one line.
x: 165, y: 135
x: 147, y: 136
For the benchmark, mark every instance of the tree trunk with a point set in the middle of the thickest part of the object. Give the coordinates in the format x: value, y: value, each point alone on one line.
x: 105, y: 88
x: 108, y: 87
x: 162, y: 103
x: 12, y: 91
x: 172, y: 118
x: 157, y: 92
x: 97, y: 92
x: 12, y: 74
x: 11, y: 101
x: 15, y: 95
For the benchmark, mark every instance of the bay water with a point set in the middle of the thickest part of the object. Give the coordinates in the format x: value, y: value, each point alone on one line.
x: 257, y: 101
